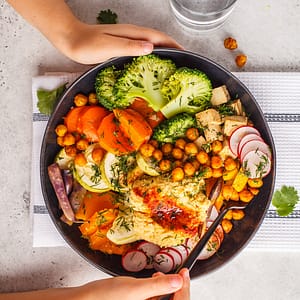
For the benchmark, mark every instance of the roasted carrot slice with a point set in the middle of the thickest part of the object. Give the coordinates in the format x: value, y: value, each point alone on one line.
x: 151, y: 116
x: 111, y: 138
x: 71, y: 119
x: 89, y: 121
x: 93, y: 202
x: 134, y: 126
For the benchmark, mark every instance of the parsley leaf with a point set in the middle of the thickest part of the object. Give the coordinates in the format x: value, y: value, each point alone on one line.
x: 48, y: 99
x: 107, y: 17
x: 285, y: 200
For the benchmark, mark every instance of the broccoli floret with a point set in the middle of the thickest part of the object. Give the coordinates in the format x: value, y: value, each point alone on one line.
x: 171, y: 129
x: 143, y: 78
x: 187, y: 90
x: 104, y: 84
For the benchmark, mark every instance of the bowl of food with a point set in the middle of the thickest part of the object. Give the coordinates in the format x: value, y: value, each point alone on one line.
x: 141, y: 154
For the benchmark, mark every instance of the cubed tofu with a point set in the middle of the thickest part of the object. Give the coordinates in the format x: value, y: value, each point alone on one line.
x: 232, y: 122
x: 238, y: 107
x: 220, y: 95
x: 225, y: 152
x: 210, y: 120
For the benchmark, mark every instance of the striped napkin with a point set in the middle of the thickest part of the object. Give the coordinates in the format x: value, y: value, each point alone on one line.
x: 278, y: 94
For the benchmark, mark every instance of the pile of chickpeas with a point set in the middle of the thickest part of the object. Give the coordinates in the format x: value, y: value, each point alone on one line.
x: 184, y: 158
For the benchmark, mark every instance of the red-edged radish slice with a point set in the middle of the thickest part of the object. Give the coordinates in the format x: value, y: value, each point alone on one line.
x: 183, y: 249
x: 247, y: 138
x: 255, y: 146
x: 210, y: 248
x: 177, y: 257
x: 220, y: 232
x: 189, y: 243
x: 134, y: 261
x: 213, y: 213
x: 257, y: 164
x: 163, y: 262
x: 150, y: 250
x: 238, y: 134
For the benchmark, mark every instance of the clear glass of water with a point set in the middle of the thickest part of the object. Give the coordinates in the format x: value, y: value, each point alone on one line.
x: 202, y: 14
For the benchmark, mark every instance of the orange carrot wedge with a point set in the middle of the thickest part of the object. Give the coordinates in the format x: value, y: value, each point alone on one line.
x: 151, y: 116
x: 89, y: 121
x: 134, y: 126
x: 111, y: 138
x: 71, y: 119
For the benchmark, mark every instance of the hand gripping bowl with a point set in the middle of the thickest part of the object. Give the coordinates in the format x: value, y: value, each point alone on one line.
x: 242, y: 232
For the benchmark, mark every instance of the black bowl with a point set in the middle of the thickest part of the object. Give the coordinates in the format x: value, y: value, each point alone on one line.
x: 243, y: 230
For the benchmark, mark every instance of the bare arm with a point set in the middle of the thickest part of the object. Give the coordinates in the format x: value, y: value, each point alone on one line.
x: 87, y: 43
x: 125, y: 288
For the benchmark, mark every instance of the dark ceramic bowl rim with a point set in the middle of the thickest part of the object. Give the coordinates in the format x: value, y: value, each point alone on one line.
x: 201, y: 267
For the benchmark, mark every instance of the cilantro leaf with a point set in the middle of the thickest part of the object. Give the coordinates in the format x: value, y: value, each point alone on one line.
x: 285, y: 200
x: 107, y: 17
x: 47, y: 99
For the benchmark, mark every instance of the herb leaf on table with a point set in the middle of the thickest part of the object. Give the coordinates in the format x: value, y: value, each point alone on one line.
x: 285, y: 200
x: 107, y: 17
x: 47, y: 99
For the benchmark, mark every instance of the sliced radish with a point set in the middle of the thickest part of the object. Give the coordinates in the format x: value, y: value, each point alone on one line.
x: 213, y: 213
x: 220, y: 232
x: 189, y: 243
x: 150, y: 250
x: 257, y: 164
x: 255, y: 146
x: 163, y: 262
x: 177, y: 257
x: 247, y: 138
x: 238, y: 134
x: 134, y: 261
x: 210, y: 248
x: 183, y: 249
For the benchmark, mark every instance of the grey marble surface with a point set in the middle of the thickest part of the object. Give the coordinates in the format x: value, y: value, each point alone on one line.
x: 267, y: 32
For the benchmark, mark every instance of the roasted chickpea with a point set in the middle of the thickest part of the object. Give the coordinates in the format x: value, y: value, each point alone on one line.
x: 177, y: 163
x: 71, y: 150
x: 202, y: 157
x: 180, y: 143
x: 216, y: 162
x: 157, y: 155
x: 165, y: 165
x: 80, y: 159
x: 189, y: 169
x: 235, y: 196
x: 216, y: 173
x: 237, y: 214
x: 246, y: 196
x: 255, y: 182
x: 254, y: 191
x: 80, y: 100
x: 69, y: 139
x: 147, y: 150
x: 216, y: 146
x: 167, y: 148
x: 154, y: 143
x: 226, y: 225
x: 97, y: 154
x: 191, y: 149
x: 177, y: 153
x: 230, y: 43
x: 92, y: 99
x: 227, y: 191
x: 241, y: 60
x: 192, y: 134
x: 82, y: 144
x: 230, y: 164
x: 177, y: 174
x: 207, y: 172
x: 61, y: 130
x: 60, y: 141
x: 228, y: 215
x: 195, y: 163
